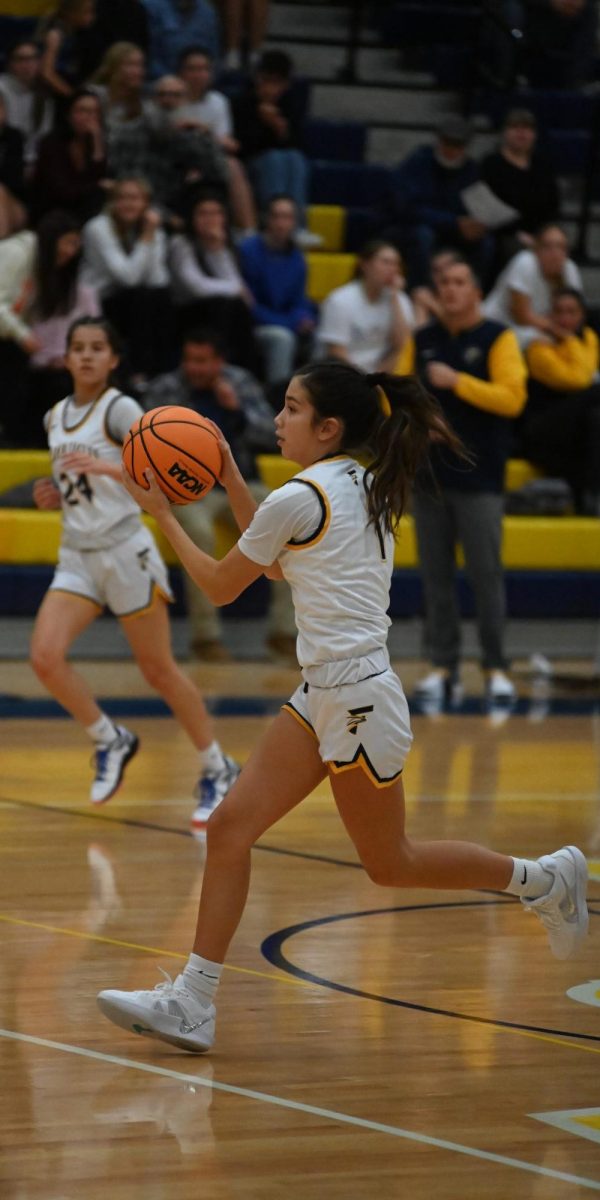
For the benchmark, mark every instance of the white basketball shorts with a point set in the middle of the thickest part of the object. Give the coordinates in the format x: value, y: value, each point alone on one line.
x: 124, y: 579
x: 364, y: 724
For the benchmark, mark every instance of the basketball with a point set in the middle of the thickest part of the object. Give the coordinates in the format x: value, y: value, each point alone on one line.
x: 180, y: 447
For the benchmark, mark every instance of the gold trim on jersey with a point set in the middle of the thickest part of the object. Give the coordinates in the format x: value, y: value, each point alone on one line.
x: 361, y: 760
x: 74, y: 428
x: 289, y: 707
x: 105, y: 418
x: 156, y: 592
x: 325, y: 521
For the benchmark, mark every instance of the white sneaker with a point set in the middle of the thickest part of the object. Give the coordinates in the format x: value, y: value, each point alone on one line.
x: 563, y: 911
x: 169, y: 1012
x: 437, y: 687
x: 110, y: 762
x: 211, y: 788
x: 499, y: 688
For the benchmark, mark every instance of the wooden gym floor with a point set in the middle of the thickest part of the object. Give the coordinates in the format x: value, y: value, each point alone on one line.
x: 372, y: 1045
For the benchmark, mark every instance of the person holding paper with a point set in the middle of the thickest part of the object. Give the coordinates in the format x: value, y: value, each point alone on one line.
x: 427, y: 205
x: 522, y: 179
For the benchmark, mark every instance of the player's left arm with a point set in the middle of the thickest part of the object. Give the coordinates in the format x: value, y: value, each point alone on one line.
x: 88, y: 464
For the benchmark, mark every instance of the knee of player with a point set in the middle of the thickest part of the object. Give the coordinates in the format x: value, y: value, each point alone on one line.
x: 158, y: 672
x: 45, y: 659
x: 388, y: 869
x: 226, y: 835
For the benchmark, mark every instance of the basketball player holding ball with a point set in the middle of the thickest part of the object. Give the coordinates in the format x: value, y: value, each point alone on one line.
x: 108, y: 559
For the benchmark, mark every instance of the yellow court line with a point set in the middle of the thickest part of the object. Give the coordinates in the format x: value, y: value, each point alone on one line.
x: 292, y: 981
x: 96, y: 937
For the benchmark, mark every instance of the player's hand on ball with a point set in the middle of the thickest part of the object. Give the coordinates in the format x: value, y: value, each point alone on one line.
x: 151, y: 499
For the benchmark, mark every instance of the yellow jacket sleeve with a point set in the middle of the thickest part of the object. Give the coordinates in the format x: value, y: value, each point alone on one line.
x: 405, y: 363
x: 567, y: 366
x: 505, y: 393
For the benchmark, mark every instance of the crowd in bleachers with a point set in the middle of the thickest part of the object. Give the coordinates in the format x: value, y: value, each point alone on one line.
x: 143, y: 175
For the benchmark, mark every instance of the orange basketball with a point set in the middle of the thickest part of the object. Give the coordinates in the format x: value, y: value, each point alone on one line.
x: 180, y: 447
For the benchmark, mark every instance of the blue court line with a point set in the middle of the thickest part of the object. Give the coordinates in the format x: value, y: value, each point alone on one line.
x: 23, y: 707
x: 272, y: 950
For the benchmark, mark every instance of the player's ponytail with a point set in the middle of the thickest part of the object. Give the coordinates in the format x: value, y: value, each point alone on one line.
x: 412, y: 420
x: 390, y: 420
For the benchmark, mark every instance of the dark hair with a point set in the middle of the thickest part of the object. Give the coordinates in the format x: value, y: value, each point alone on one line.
x: 277, y: 199
x: 205, y: 337
x: 370, y: 249
x: 109, y: 330
x: 39, y: 93
x: 573, y: 294
x: 63, y: 125
x: 56, y: 286
x: 397, y: 444
x: 275, y: 63
x: 192, y: 52
x: 190, y: 232
x: 540, y: 230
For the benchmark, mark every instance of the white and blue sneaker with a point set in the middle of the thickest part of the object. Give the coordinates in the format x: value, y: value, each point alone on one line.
x: 110, y: 762
x: 563, y: 911
x: 169, y: 1013
x: 211, y: 788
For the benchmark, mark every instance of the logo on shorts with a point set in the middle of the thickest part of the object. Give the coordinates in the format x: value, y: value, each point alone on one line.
x: 190, y: 482
x: 357, y: 716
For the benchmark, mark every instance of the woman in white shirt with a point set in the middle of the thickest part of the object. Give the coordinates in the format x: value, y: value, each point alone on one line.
x: 125, y: 260
x: 366, y: 322
x: 207, y: 286
x: 523, y: 293
x: 28, y: 108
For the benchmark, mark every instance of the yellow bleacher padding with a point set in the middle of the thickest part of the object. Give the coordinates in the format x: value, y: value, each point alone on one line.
x: 328, y: 271
x: 518, y: 472
x: 329, y: 221
x: 26, y: 8
x: 18, y: 466
x: 530, y: 543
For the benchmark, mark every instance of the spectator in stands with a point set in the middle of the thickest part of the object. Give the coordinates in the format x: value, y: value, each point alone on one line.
x: 181, y: 150
x: 256, y: 13
x: 425, y: 300
x: 523, y: 179
x: 367, y: 322
x: 59, y: 298
x: 207, y: 284
x: 474, y: 368
x: 275, y: 272
x: 121, y: 21
x: 119, y: 85
x: 231, y: 398
x: 17, y: 343
x: 561, y: 424
x: 268, y: 126
x: 13, y: 215
x: 561, y: 41
x: 125, y: 260
x: 427, y: 207
x: 72, y: 172
x: 28, y: 109
x: 210, y: 111
x: 522, y: 294
x: 63, y: 36
x: 176, y: 24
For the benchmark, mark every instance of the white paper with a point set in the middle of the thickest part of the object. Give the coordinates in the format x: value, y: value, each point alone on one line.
x: 483, y: 204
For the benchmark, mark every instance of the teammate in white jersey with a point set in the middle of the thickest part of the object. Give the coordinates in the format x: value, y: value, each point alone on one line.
x: 109, y: 559
x: 329, y: 532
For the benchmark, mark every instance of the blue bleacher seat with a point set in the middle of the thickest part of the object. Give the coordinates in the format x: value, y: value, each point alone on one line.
x: 336, y: 141
x: 361, y: 225
x: 366, y: 184
x: 568, y: 150
x: 419, y: 22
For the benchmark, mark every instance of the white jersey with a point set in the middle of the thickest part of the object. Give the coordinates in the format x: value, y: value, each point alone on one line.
x: 97, y: 511
x: 338, y: 566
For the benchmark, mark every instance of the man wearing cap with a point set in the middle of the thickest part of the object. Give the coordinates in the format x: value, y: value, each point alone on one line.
x: 522, y: 178
x: 427, y: 207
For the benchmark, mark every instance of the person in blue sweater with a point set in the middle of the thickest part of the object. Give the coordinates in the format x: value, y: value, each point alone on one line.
x: 275, y: 272
x: 427, y: 208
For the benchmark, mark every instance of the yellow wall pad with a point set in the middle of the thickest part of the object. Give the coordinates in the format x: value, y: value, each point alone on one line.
x: 329, y: 221
x: 328, y: 271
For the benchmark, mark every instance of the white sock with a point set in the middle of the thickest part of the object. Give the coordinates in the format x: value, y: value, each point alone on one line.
x: 103, y: 731
x: 202, y: 978
x: 529, y: 879
x: 212, y: 758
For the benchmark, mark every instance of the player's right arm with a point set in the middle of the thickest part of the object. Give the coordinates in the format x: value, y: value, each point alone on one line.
x: 46, y: 494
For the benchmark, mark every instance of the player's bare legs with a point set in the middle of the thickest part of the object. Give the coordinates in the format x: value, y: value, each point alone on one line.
x: 62, y: 617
